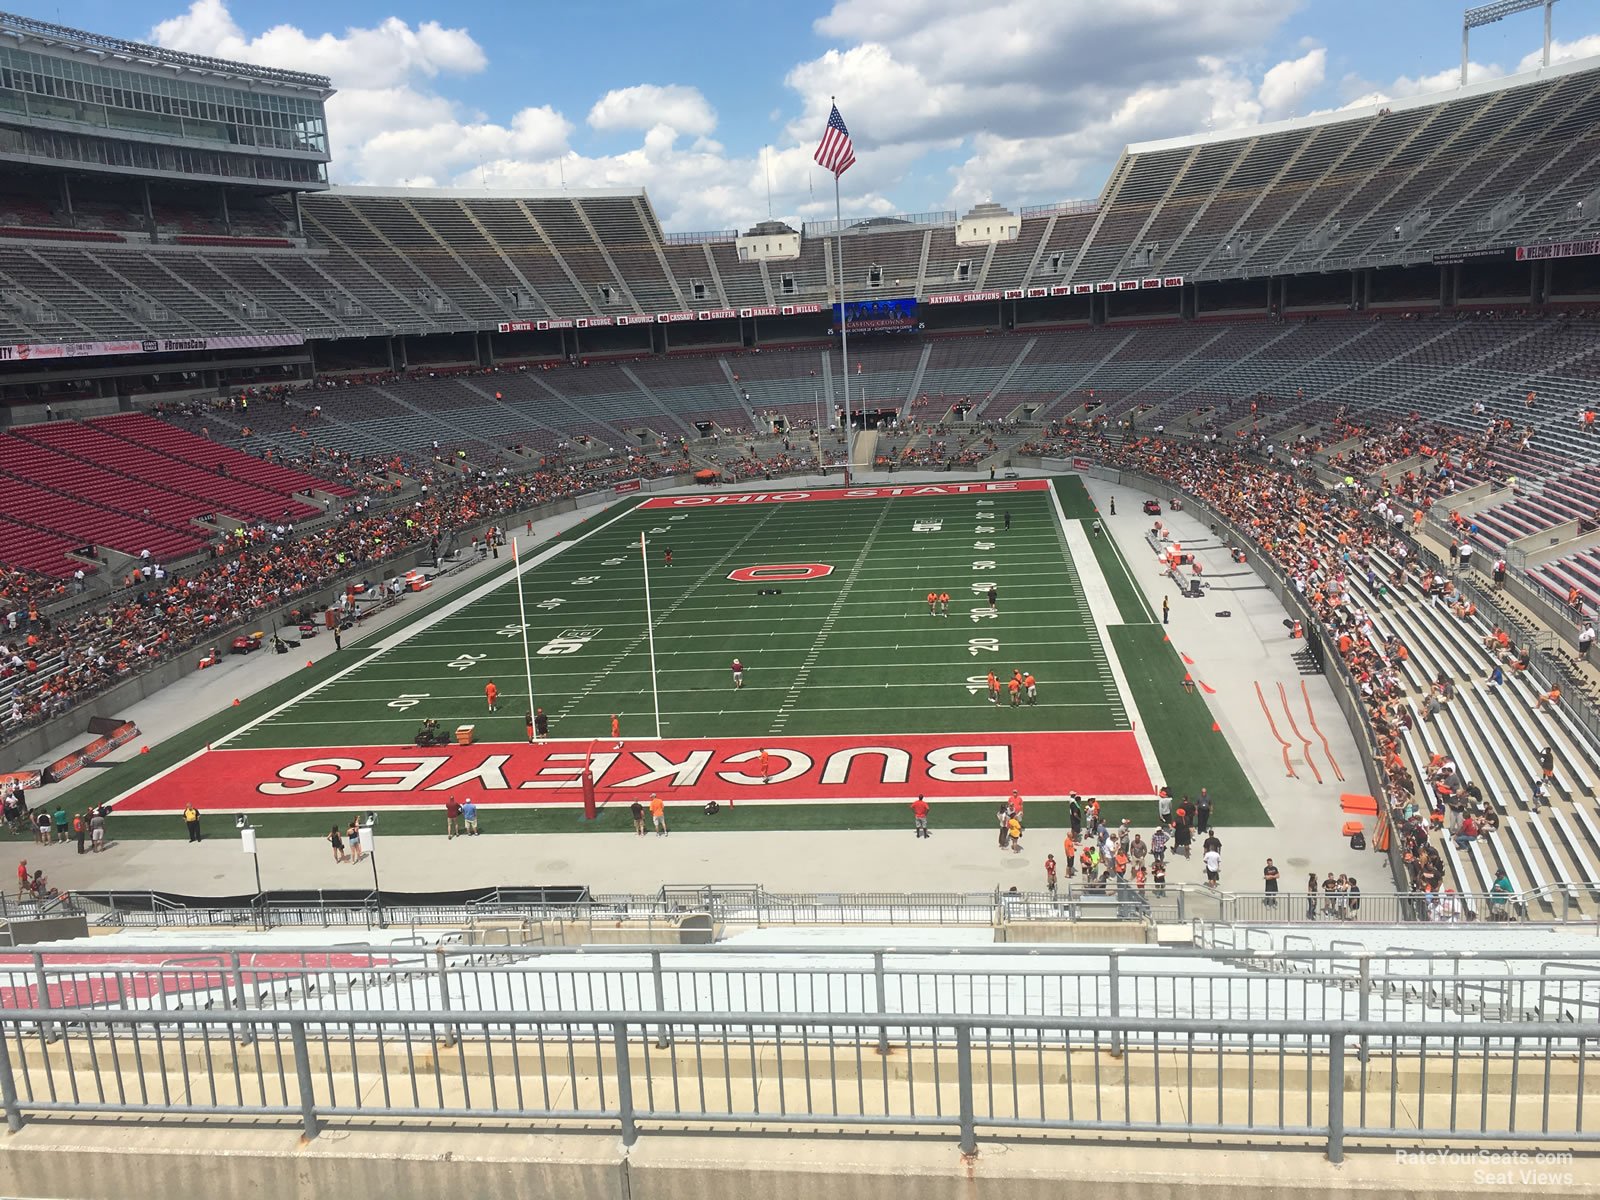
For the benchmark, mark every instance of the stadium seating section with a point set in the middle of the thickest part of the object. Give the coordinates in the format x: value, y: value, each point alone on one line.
x: 1502, y: 164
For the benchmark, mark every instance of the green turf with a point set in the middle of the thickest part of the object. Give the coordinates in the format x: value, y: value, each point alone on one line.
x: 1192, y: 755
x: 1076, y: 502
x: 852, y: 652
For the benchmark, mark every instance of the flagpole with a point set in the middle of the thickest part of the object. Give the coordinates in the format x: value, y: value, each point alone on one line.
x: 522, y: 616
x: 844, y: 329
x: 650, y: 629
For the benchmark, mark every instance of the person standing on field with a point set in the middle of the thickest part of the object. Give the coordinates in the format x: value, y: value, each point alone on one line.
x: 658, y: 814
x: 994, y: 598
x: 191, y: 818
x: 919, y: 814
x: 491, y: 694
x: 738, y: 671
x: 636, y: 810
x: 541, y: 725
x: 1003, y: 815
x: 933, y: 604
x: 944, y: 604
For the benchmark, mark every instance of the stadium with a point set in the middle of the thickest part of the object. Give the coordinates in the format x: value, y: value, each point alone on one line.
x: 1231, y: 542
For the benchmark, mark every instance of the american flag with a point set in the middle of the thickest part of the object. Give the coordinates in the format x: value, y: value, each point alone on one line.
x: 835, y: 151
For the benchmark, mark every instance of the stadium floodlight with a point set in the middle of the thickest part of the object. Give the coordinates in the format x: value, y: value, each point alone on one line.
x: 1488, y: 14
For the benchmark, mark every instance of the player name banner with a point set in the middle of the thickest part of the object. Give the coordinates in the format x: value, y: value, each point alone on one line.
x: 669, y: 318
x: 909, y: 490
x: 1558, y: 250
x: 890, y: 769
x: 765, y: 310
x: 46, y: 351
x: 626, y: 486
x: 715, y: 314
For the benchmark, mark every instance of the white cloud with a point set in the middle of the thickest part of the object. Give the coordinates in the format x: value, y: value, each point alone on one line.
x: 1584, y: 47
x: 1021, y: 101
x: 646, y: 106
x: 1286, y: 87
x: 1361, y: 92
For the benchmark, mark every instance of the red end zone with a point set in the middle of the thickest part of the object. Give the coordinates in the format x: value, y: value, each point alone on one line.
x: 806, y: 769
x: 910, y: 490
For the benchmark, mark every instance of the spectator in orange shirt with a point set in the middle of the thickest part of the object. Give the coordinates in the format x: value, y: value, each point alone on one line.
x: 1015, y: 687
x: 933, y: 603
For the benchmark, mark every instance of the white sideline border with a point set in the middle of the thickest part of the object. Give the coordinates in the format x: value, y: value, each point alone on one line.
x: 1104, y: 613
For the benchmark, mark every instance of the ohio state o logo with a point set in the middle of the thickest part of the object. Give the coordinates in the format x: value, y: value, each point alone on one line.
x: 780, y: 572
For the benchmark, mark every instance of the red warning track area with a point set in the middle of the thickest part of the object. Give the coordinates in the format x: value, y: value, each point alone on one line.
x: 911, y: 491
x: 99, y: 979
x: 798, y: 770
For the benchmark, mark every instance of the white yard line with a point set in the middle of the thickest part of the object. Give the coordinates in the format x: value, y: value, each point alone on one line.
x: 1104, y: 612
x: 403, y: 635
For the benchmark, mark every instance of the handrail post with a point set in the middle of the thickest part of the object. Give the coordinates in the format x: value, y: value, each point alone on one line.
x: 882, y: 989
x: 8, y: 1088
x: 659, y: 982
x: 969, y: 1125
x: 249, y: 1034
x: 452, y: 1031
x: 302, y: 1071
x: 47, y: 1031
x: 1336, y: 1097
x: 1115, y: 997
x: 1364, y: 1005
x: 619, y: 1043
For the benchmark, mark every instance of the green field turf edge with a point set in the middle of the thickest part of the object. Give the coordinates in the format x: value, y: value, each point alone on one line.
x: 1192, y: 755
x: 1132, y: 607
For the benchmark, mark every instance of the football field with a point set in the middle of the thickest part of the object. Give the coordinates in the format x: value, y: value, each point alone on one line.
x: 853, y: 690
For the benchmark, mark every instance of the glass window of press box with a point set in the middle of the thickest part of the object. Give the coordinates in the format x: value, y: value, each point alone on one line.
x: 45, y: 88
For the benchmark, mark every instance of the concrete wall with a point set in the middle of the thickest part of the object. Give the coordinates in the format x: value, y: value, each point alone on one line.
x: 176, y: 1160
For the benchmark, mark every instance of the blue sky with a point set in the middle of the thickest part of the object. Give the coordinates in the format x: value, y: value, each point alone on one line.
x: 950, y: 101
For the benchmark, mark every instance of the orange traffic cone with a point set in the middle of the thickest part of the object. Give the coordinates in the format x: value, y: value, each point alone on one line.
x: 1215, y: 728
x: 144, y: 749
x: 236, y: 703
x: 308, y: 662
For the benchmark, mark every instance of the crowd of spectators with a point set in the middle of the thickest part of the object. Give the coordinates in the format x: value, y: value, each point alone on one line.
x: 49, y: 665
x: 1322, y: 540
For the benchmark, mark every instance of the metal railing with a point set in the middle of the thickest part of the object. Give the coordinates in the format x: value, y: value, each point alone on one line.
x: 1237, y: 971
x: 759, y: 908
x: 1318, y: 1082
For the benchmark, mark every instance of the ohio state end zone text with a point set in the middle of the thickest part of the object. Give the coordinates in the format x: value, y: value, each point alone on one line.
x: 941, y: 767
